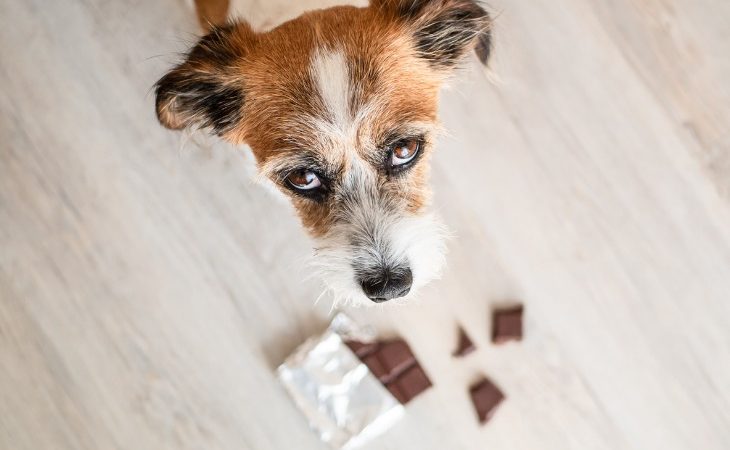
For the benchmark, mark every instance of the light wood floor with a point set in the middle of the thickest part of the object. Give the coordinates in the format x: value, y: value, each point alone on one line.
x: 148, y: 288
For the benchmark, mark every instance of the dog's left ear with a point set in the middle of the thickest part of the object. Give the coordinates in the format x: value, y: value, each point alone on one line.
x: 444, y: 30
x: 207, y: 90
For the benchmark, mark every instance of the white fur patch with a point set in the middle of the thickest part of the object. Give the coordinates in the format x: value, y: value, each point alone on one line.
x: 330, y: 72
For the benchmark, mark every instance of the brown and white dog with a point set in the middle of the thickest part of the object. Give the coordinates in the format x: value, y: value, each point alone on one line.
x: 339, y: 107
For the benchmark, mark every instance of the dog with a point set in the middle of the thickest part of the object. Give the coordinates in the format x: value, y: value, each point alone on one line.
x: 339, y: 107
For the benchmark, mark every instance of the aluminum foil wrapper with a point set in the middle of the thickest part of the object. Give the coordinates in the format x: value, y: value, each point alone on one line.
x: 342, y: 400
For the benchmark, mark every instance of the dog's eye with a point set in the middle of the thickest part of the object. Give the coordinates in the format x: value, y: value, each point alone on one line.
x: 404, y: 151
x: 303, y: 180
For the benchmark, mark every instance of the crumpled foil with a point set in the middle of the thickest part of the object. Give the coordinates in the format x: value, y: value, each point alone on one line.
x: 342, y: 400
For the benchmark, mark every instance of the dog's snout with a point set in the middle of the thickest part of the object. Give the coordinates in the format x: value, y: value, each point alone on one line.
x: 387, y: 285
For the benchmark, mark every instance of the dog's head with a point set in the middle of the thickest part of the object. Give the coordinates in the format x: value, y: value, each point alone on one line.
x: 340, y: 109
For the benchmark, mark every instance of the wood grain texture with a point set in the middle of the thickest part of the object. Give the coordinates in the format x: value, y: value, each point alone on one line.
x: 148, y: 288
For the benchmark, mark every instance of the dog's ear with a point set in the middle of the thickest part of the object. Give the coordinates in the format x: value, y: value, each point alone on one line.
x: 444, y: 30
x: 207, y: 89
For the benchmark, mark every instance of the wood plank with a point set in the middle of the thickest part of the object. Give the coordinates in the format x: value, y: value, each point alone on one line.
x: 148, y: 288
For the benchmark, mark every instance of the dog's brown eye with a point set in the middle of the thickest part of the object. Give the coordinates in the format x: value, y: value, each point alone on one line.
x: 404, y: 151
x: 303, y: 180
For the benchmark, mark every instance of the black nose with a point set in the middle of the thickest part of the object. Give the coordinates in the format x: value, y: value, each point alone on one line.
x: 387, y: 285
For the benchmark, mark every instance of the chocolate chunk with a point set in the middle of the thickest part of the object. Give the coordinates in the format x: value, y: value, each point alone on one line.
x: 410, y: 384
x: 362, y: 349
x: 486, y: 397
x: 466, y: 346
x: 507, y: 325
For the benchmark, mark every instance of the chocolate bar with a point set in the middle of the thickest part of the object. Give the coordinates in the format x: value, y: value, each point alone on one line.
x: 507, y: 324
x: 486, y: 397
x: 393, y: 363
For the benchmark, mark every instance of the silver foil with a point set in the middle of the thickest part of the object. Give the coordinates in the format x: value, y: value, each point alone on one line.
x: 342, y: 400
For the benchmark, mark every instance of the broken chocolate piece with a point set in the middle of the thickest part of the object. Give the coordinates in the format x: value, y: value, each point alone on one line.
x: 410, y: 384
x: 466, y: 346
x: 507, y: 325
x: 486, y: 397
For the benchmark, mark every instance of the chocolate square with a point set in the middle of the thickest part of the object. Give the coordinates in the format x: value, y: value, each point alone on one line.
x: 465, y: 346
x: 486, y: 397
x: 507, y: 324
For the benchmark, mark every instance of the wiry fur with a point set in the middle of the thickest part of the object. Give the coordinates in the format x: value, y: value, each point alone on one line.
x: 330, y: 92
x: 373, y: 231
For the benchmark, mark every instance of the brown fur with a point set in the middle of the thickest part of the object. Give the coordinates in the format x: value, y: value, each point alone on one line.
x: 276, y: 71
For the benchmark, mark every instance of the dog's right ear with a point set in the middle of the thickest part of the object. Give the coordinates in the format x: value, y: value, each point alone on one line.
x: 207, y: 90
x: 444, y: 30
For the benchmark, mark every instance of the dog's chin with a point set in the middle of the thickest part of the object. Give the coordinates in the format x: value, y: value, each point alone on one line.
x: 419, y: 240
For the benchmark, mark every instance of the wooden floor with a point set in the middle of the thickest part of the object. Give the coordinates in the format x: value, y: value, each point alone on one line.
x: 148, y: 288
